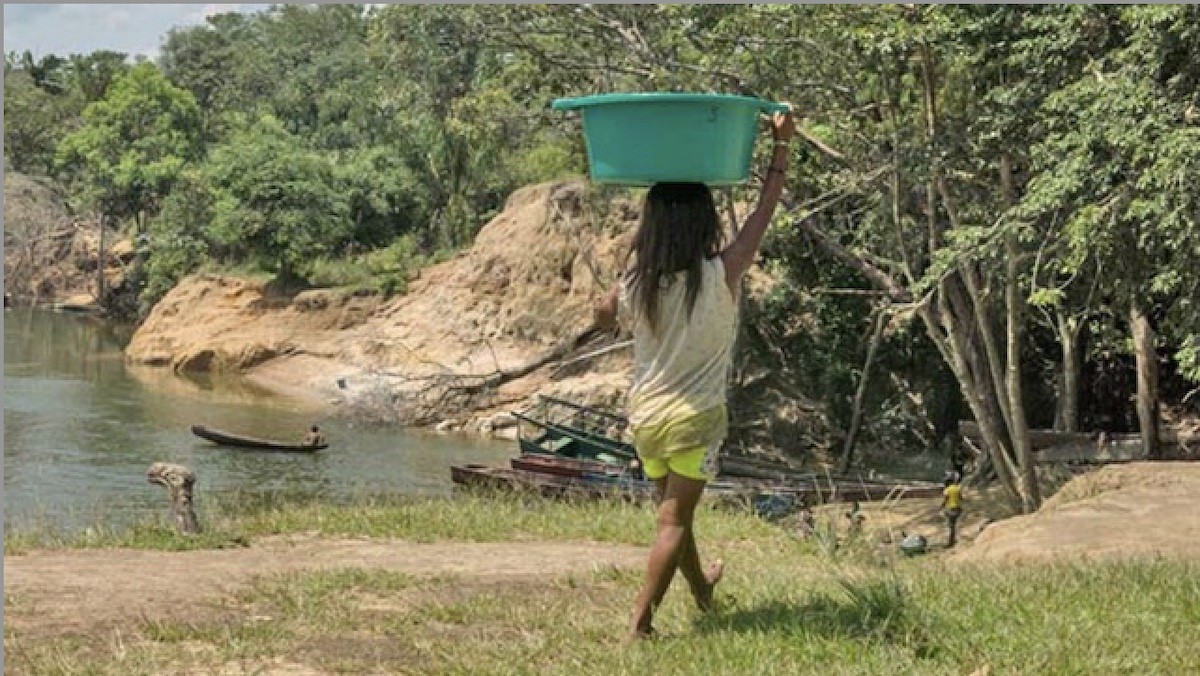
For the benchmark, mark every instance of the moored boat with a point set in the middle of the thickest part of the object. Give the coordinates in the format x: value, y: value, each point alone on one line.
x: 229, y: 439
x: 571, y: 467
x: 565, y: 429
x: 570, y: 448
x: 549, y: 485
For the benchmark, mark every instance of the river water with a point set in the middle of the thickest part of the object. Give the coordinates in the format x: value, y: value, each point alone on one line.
x: 81, y: 428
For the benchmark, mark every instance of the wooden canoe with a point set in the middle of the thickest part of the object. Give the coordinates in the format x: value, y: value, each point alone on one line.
x: 229, y: 439
x: 590, y: 485
x: 548, y: 485
x: 601, y: 484
x: 571, y: 467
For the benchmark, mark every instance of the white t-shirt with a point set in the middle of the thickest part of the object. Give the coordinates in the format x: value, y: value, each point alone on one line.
x: 684, y: 369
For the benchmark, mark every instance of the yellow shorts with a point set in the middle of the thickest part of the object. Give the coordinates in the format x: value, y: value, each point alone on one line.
x: 687, y: 446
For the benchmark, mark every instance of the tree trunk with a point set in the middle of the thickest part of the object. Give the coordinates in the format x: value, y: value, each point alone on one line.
x: 1018, y: 427
x: 1147, y: 379
x: 179, y: 482
x: 860, y: 394
x: 984, y: 372
x: 1066, y: 416
x: 100, y: 290
x: 947, y: 332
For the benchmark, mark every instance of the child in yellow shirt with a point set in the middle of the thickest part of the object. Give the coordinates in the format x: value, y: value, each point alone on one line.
x: 952, y: 504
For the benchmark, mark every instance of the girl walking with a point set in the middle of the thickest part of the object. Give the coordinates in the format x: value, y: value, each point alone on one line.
x: 681, y: 295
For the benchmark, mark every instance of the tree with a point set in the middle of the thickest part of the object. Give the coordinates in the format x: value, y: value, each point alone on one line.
x: 35, y: 120
x: 1115, y: 169
x: 277, y: 203
x: 133, y: 143
x: 178, y: 236
x: 92, y: 74
x: 1002, y: 178
x: 464, y: 108
x: 384, y: 197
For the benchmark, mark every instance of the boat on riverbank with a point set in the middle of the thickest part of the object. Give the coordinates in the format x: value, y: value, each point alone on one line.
x: 768, y: 499
x: 594, y: 485
x: 565, y: 429
x: 547, y: 485
x: 229, y: 439
x: 570, y: 467
x: 570, y: 449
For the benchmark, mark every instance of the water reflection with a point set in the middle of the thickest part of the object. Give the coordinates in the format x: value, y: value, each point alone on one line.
x: 80, y: 429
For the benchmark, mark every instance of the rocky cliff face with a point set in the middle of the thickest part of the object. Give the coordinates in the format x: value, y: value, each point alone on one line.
x: 50, y: 254
x: 526, y: 284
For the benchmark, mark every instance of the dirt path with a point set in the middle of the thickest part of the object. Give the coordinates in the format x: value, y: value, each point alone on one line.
x: 67, y: 591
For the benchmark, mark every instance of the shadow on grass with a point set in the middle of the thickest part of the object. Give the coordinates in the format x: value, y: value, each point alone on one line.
x: 879, y: 610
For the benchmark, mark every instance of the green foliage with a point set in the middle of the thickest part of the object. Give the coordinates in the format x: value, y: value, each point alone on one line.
x: 276, y: 202
x: 384, y: 196
x: 178, y: 235
x: 35, y: 120
x: 386, y: 270
x: 349, y: 145
x: 1116, y: 164
x: 134, y: 142
x: 553, y: 160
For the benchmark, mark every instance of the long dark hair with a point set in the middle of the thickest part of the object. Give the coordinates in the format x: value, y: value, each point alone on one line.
x: 679, y: 230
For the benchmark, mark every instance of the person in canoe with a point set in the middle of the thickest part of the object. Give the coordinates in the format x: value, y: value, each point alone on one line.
x: 314, y: 437
x: 681, y: 297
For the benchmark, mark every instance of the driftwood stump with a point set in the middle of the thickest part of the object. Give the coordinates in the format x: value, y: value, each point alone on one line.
x: 178, y: 481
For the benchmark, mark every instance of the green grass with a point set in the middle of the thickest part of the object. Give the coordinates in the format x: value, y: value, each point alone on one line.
x: 781, y: 618
x: 469, y: 516
x: 829, y: 604
x: 786, y: 606
x: 248, y: 271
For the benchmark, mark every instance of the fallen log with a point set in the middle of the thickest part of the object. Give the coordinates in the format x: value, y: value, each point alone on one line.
x: 1120, y: 448
x: 1052, y: 446
x: 1037, y: 438
x: 1169, y: 435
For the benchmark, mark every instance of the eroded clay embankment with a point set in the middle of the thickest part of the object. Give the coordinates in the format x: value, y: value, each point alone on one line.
x: 527, y: 283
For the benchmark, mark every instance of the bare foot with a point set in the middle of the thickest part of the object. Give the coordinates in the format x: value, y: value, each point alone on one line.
x: 712, y: 575
x: 638, y: 635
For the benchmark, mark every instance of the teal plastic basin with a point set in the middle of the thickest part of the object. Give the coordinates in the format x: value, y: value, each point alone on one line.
x: 647, y: 138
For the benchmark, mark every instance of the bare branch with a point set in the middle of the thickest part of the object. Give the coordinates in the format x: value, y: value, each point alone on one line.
x: 819, y: 144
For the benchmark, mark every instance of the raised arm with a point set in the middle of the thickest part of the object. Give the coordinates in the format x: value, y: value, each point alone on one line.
x: 739, y: 255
